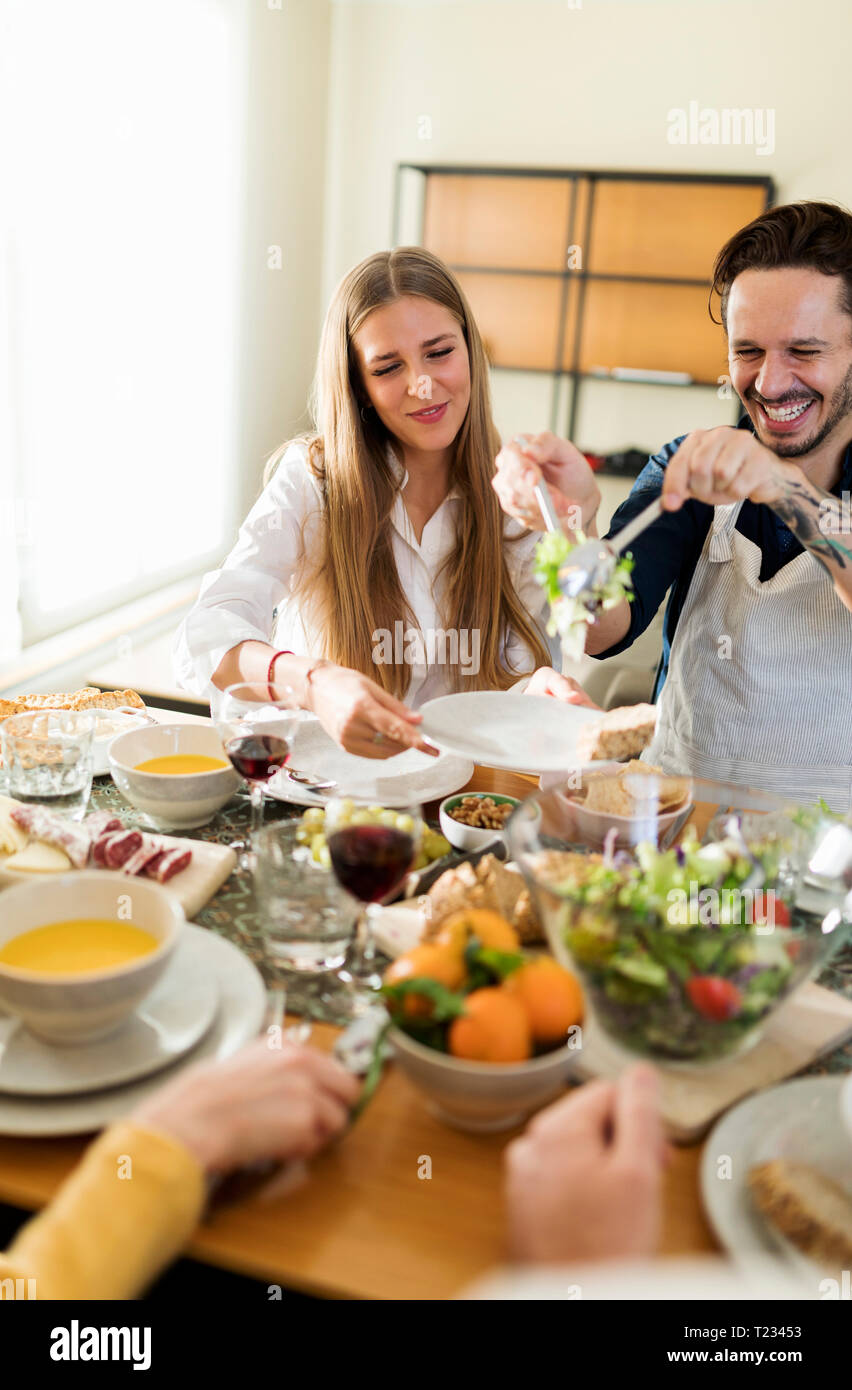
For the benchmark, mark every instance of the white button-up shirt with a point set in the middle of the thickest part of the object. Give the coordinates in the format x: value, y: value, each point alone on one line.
x: 239, y: 602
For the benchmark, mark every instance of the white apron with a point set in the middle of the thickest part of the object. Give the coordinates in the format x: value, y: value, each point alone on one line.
x: 759, y: 685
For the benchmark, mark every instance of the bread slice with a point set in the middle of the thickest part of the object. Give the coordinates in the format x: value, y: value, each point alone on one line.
x: 810, y: 1209
x: 487, y: 884
x: 87, y: 698
x: 620, y: 733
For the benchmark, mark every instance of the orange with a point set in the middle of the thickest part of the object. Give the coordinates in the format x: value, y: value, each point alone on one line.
x: 551, y: 997
x: 487, y: 926
x: 429, y: 961
x: 493, y: 1028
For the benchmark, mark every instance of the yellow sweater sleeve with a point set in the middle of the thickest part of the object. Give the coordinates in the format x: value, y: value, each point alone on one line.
x: 123, y: 1214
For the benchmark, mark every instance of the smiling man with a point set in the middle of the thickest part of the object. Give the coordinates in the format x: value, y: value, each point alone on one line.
x: 755, y: 543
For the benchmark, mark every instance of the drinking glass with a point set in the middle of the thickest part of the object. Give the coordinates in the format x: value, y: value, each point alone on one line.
x: 257, y: 734
x: 371, y: 850
x: 307, y: 923
x: 47, y: 756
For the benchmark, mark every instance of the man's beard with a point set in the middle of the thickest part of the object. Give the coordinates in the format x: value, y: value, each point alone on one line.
x: 840, y: 407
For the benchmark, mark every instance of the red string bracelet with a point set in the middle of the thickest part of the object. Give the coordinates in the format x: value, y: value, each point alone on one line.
x: 275, y: 657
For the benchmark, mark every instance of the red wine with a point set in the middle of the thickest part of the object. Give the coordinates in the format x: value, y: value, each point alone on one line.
x: 370, y: 860
x: 257, y: 756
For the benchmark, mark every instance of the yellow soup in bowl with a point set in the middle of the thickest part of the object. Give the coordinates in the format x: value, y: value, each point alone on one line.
x: 76, y: 946
x: 182, y: 764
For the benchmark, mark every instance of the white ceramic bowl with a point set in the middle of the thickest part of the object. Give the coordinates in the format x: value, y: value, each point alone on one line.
x: 172, y: 802
x: 81, y: 1008
x: 591, y: 827
x: 483, y: 1096
x: 470, y: 837
x: 594, y: 826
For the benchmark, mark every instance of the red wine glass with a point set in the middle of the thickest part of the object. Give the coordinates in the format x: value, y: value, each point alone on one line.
x: 372, y: 849
x: 257, y: 735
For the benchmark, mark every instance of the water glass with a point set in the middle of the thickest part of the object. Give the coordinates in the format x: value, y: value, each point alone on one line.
x: 306, y: 920
x: 47, y: 757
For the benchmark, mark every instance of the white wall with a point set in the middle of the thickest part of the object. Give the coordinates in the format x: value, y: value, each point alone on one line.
x: 526, y: 82
x: 283, y: 206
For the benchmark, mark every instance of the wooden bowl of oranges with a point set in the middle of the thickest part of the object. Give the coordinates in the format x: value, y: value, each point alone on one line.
x: 487, y: 1031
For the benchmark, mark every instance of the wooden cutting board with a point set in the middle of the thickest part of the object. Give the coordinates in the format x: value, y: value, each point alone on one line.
x: 815, y: 1021
x: 210, y: 865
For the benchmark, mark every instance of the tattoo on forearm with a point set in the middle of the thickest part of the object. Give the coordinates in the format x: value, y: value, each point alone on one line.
x: 798, y: 510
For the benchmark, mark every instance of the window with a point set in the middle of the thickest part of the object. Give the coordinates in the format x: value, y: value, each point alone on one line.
x: 120, y: 297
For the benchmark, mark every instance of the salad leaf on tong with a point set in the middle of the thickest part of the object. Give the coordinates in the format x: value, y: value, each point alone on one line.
x: 569, y: 617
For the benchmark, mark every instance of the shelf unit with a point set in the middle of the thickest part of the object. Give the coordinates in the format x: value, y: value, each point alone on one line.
x: 572, y: 270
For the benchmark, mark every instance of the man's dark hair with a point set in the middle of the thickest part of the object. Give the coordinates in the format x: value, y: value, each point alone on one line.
x: 812, y: 236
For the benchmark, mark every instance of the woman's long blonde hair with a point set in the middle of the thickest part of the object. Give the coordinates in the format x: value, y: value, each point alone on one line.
x: 353, y: 589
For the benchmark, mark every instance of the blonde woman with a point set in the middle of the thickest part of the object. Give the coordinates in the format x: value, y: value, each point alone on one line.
x: 379, y: 542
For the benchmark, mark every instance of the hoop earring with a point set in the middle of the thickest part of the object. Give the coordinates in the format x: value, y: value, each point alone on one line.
x: 363, y: 408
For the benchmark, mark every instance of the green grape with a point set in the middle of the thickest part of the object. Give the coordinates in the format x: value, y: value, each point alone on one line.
x: 325, y: 857
x: 315, y: 815
x: 388, y: 818
x: 421, y: 861
x: 360, y: 818
x: 405, y: 823
x: 317, y: 846
x: 437, y: 845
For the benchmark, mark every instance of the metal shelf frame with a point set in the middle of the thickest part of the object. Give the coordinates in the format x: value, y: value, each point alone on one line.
x: 575, y: 281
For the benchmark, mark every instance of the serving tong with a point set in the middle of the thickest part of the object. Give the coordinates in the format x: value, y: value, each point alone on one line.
x: 591, y: 565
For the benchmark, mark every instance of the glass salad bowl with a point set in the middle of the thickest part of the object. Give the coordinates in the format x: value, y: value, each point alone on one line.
x: 686, y: 950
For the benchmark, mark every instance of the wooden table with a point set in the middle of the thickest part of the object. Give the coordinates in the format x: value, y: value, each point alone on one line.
x: 366, y: 1226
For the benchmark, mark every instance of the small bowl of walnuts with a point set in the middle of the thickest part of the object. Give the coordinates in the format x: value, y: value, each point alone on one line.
x: 472, y: 820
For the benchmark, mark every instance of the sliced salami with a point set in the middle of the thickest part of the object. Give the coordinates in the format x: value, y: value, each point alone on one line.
x: 99, y: 847
x: 101, y: 823
x: 120, y: 847
x: 149, y: 850
x: 65, y: 835
x: 174, y: 861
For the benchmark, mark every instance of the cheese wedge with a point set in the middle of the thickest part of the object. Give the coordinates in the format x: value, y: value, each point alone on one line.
x: 12, y: 837
x: 39, y: 858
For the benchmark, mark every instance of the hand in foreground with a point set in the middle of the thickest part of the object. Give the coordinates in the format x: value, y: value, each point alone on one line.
x: 572, y: 485
x: 721, y: 466
x: 583, y: 1182
x: 262, y: 1103
x: 546, y: 681
x: 354, y: 710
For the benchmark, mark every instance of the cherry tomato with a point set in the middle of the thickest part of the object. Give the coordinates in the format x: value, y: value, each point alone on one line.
x: 780, y: 914
x: 714, y: 997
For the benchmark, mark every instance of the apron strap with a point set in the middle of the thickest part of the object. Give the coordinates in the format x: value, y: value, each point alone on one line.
x: 720, y: 540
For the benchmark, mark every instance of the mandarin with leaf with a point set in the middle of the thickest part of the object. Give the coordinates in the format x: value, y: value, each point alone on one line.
x: 493, y: 1028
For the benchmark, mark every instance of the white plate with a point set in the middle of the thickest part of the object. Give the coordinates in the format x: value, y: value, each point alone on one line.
x: 515, y: 732
x: 799, y: 1120
x: 242, y: 1007
x: 111, y: 723
x: 392, y: 782
x: 176, y: 1013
